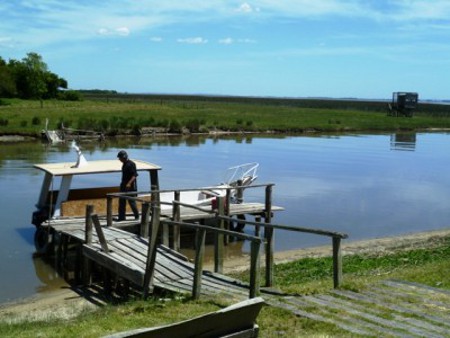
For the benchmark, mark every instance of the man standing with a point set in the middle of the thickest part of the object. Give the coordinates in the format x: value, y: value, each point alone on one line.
x: 128, y: 183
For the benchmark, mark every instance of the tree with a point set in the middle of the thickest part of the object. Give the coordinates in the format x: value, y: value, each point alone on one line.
x: 7, y: 83
x: 36, y: 71
x: 29, y: 79
x: 53, y: 83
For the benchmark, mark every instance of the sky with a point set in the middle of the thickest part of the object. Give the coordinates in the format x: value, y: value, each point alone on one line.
x: 276, y: 48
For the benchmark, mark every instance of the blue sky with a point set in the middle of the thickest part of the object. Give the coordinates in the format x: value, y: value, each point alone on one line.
x: 283, y: 48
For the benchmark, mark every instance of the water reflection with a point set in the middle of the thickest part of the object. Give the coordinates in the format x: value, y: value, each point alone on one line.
x: 403, y: 141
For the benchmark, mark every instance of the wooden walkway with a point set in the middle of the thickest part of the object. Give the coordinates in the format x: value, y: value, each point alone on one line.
x: 173, y: 272
x: 388, y: 309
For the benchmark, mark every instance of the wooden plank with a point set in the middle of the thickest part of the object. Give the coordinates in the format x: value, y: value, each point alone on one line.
x: 115, y: 264
x: 321, y: 318
x: 395, y: 307
x: 419, y: 287
x: 237, y: 318
x: 394, y: 326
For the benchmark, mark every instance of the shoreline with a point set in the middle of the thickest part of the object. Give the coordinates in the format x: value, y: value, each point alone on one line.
x: 66, y: 303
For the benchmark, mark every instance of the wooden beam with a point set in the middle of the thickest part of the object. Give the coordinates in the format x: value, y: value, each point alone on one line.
x: 100, y: 234
x: 176, y: 217
x: 255, y: 269
x: 337, y: 262
x: 151, y: 253
x: 198, y: 268
x: 219, y: 238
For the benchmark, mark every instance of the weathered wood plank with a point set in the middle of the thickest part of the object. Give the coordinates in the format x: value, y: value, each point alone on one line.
x: 318, y: 317
x: 399, y: 317
x: 237, y: 321
x: 395, y: 307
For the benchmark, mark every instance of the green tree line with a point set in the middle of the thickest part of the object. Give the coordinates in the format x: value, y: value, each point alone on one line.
x: 29, y: 78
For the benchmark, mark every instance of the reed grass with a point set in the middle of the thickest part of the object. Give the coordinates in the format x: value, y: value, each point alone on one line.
x: 177, y: 115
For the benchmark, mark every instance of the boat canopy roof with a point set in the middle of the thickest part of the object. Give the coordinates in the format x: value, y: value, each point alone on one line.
x: 92, y: 167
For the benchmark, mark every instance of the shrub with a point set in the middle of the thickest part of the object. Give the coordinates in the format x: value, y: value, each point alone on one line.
x: 23, y: 123
x: 174, y: 126
x: 36, y: 121
x: 3, y: 122
x: 193, y: 125
x: 70, y: 95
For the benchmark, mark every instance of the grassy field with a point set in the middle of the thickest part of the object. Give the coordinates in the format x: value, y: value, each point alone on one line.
x: 307, y: 276
x: 134, y: 114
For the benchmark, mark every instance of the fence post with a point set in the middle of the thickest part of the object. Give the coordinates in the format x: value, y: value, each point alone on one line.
x: 337, y: 262
x: 239, y: 192
x: 198, y: 269
x: 255, y: 269
x: 109, y: 212
x: 227, y: 224
x: 86, y: 277
x: 219, y: 245
x: 176, y: 218
x: 100, y: 234
x: 151, y: 251
x: 145, y: 219
x: 268, y: 234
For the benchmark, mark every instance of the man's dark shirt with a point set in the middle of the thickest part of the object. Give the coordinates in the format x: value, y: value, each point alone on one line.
x: 128, y: 171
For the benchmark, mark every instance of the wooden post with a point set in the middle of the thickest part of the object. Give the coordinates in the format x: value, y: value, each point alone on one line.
x: 151, y: 252
x: 257, y: 227
x: 109, y: 211
x: 100, y: 234
x: 255, y: 269
x: 145, y: 219
x: 337, y: 262
x: 268, y: 234
x: 219, y: 245
x: 227, y: 224
x: 239, y: 192
x: 176, y: 218
x: 198, y: 269
x: 88, y: 222
x: 86, y: 274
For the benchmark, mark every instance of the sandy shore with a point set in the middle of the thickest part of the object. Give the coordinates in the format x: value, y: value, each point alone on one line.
x: 65, y: 303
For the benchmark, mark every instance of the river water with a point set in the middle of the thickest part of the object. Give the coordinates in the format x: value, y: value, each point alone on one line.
x: 367, y: 186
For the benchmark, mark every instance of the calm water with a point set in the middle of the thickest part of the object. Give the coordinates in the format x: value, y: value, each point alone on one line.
x: 365, y: 185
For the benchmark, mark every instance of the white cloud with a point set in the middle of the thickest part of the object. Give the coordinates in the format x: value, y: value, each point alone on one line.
x: 156, y: 39
x: 246, y: 41
x: 193, y: 41
x: 226, y: 41
x: 246, y: 8
x: 120, y: 31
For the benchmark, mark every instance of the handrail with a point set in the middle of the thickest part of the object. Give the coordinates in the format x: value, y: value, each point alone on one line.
x: 290, y: 228
x: 145, y: 192
x: 221, y: 213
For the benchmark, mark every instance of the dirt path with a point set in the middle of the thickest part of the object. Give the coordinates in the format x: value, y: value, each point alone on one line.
x: 66, y: 303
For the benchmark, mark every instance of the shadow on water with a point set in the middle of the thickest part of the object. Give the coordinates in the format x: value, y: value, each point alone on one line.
x: 47, y: 274
x: 27, y: 234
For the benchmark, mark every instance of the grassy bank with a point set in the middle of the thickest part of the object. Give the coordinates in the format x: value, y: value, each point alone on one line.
x: 426, y: 265
x: 176, y: 114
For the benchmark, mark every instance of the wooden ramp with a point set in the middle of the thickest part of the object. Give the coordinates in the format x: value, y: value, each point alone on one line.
x: 127, y: 259
x: 389, y: 309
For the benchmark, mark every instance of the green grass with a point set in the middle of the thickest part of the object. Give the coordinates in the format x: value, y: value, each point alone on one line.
x: 202, y: 115
x: 307, y: 276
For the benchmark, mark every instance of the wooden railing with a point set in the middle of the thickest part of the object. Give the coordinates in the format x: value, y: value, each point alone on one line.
x: 151, y: 221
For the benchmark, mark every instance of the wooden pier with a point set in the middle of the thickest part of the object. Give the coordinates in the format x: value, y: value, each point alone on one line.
x: 146, y: 259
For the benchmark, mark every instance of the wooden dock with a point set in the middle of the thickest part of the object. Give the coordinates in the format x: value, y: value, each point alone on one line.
x: 126, y: 255
x: 146, y: 259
